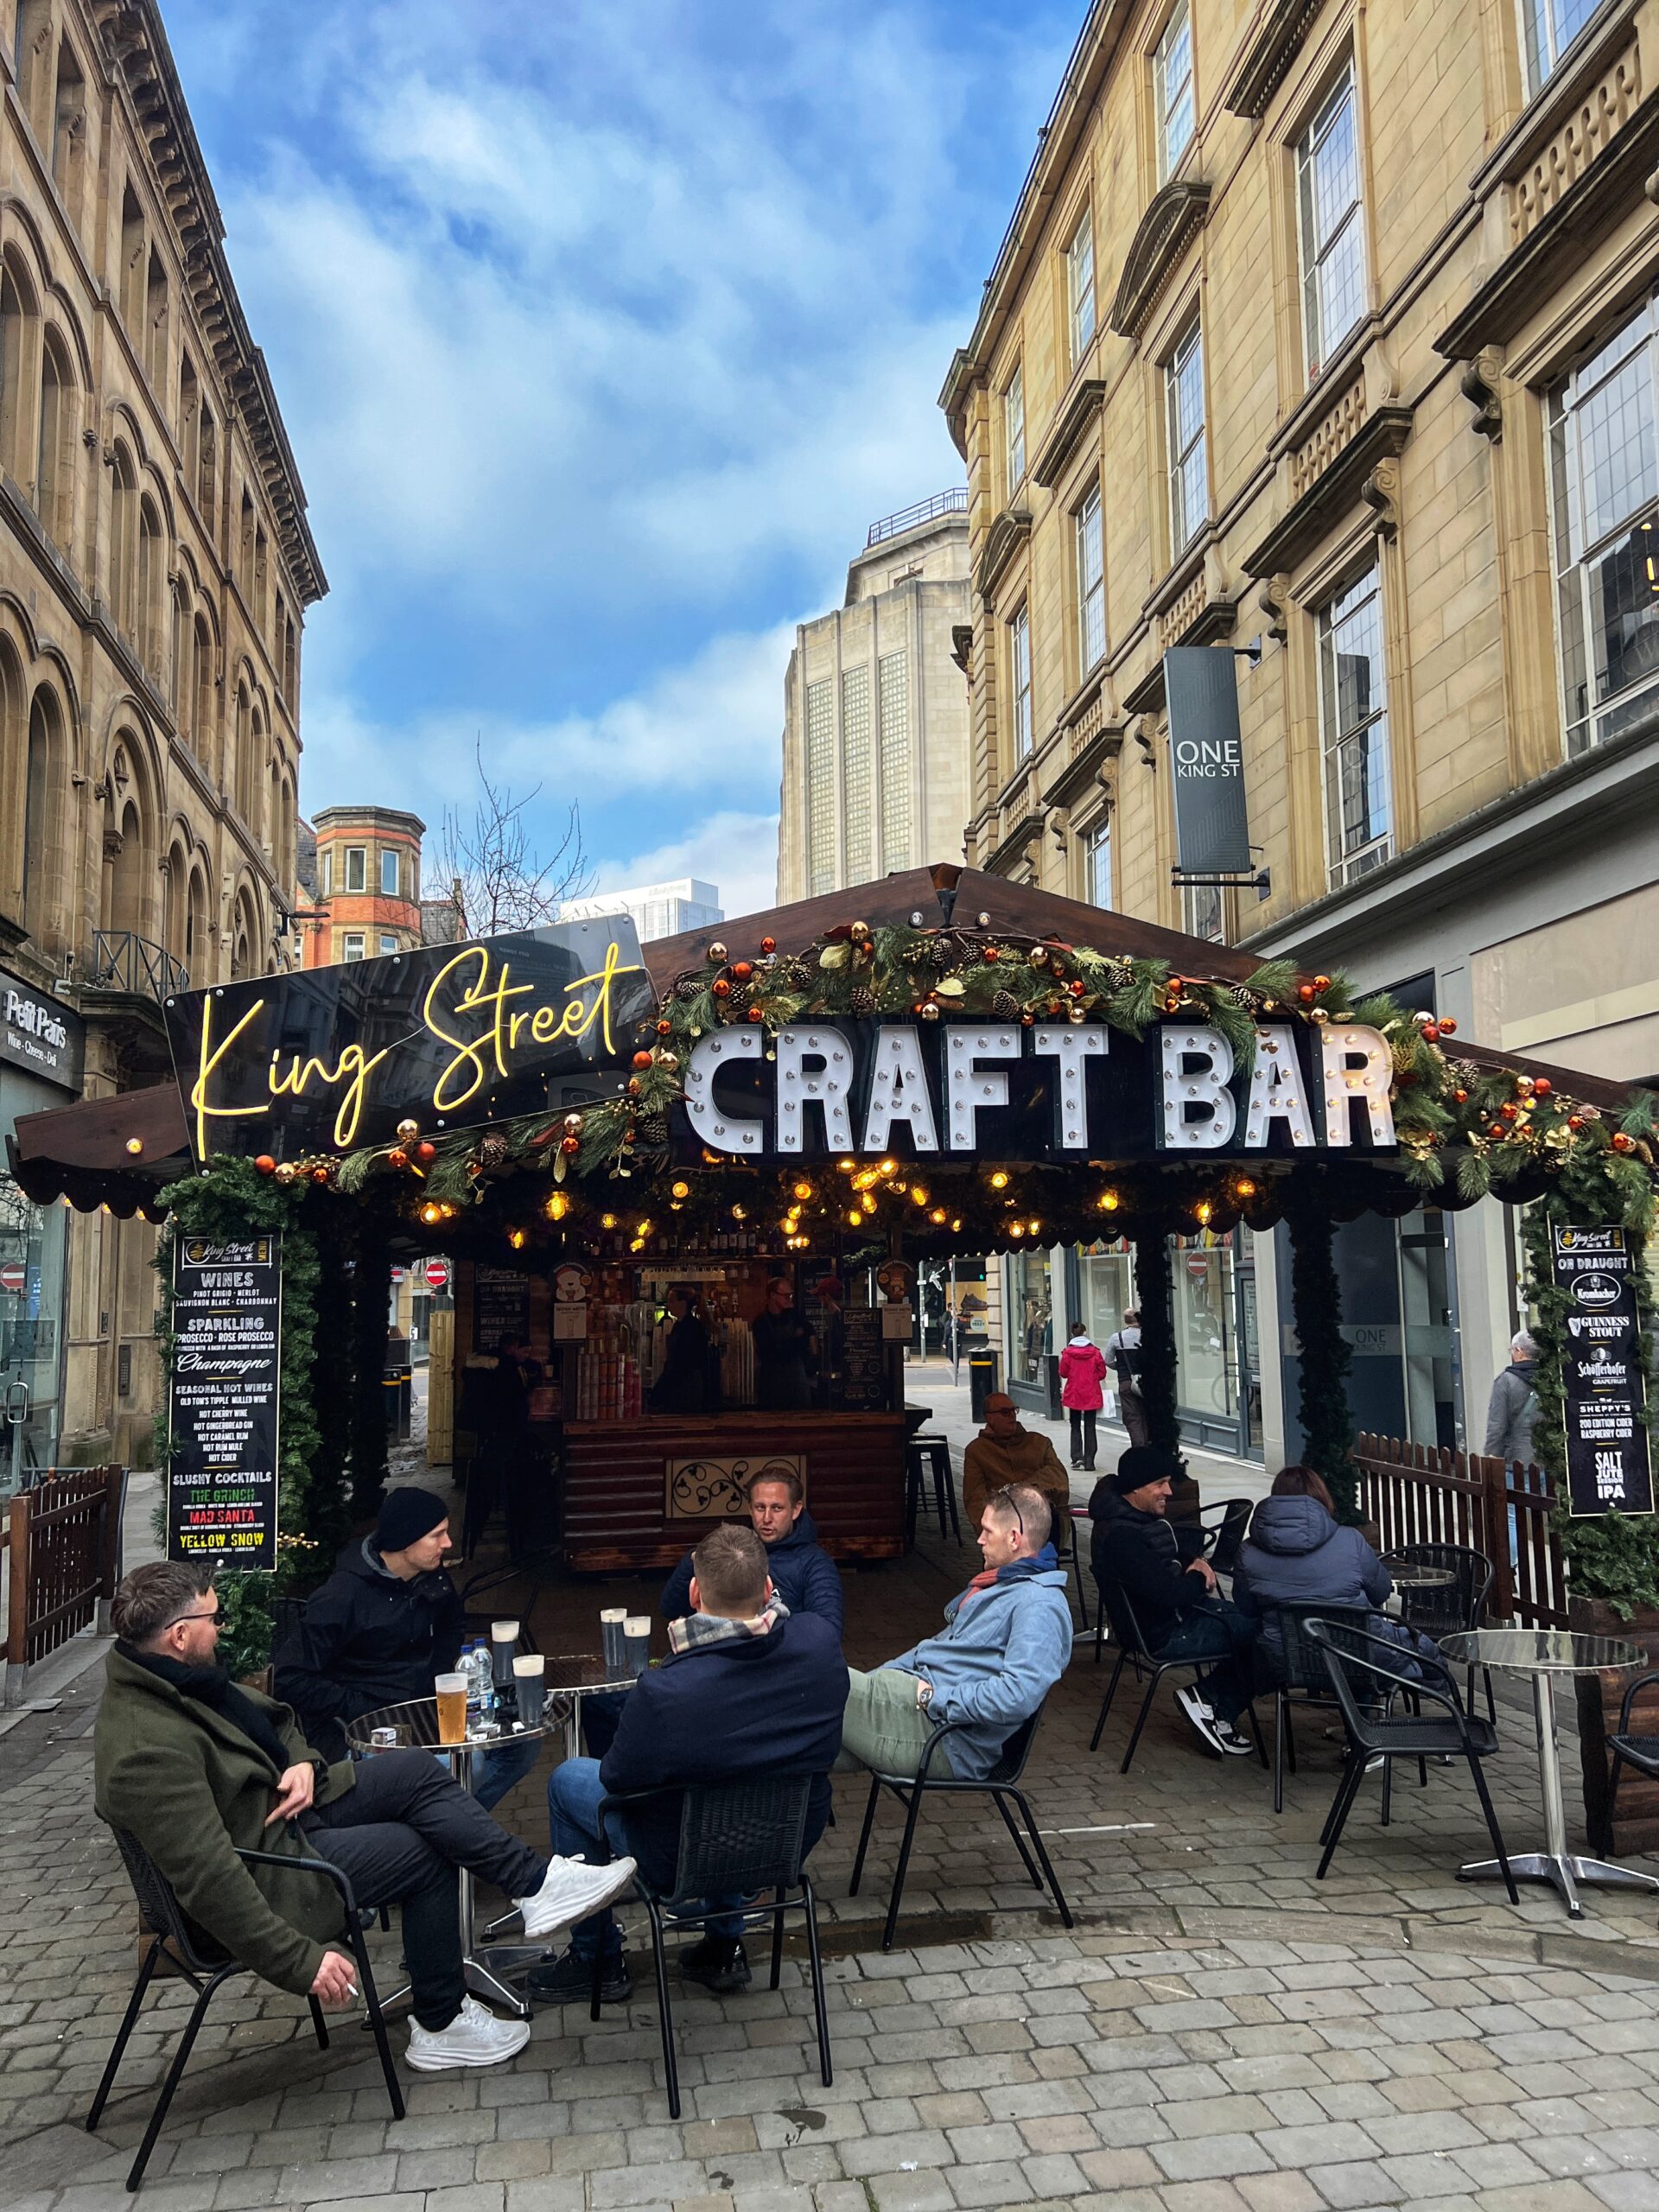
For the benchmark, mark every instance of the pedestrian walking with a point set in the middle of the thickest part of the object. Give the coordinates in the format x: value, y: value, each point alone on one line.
x: 1513, y: 1407
x: 1082, y: 1371
x: 1123, y: 1351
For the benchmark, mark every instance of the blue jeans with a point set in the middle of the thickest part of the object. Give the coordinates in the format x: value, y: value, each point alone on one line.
x: 503, y: 1769
x: 1222, y: 1632
x: 574, y: 1796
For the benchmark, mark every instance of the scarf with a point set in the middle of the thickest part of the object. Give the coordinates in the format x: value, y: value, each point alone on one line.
x: 698, y: 1630
x: 1017, y: 1570
x: 212, y: 1685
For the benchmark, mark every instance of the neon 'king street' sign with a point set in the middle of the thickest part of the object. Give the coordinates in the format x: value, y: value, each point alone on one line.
x: 864, y: 1088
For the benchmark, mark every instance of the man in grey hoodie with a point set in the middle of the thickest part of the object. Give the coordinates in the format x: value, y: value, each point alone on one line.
x: 1006, y: 1644
x: 1513, y: 1407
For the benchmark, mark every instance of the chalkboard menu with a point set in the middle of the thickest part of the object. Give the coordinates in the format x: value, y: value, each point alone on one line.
x: 1603, y: 1382
x: 864, y: 1381
x: 500, y: 1307
x: 221, y: 1484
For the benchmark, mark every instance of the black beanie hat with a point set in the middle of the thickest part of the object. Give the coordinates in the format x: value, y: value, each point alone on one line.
x: 1142, y: 1463
x: 406, y: 1515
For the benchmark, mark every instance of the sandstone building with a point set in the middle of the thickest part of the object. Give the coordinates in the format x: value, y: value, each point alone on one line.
x: 155, y: 565
x: 875, y: 712
x: 1331, y: 330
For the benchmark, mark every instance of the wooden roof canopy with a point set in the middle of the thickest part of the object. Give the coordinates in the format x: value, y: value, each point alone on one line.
x: 120, y: 1152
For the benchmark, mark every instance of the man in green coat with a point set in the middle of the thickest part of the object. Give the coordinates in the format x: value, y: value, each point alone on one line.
x: 197, y: 1768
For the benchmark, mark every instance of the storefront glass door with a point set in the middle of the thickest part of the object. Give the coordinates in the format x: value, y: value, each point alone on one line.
x: 32, y: 1245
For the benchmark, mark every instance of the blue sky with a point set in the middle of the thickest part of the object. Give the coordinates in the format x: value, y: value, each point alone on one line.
x: 602, y: 330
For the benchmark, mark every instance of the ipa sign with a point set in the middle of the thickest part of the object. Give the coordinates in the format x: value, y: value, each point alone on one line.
x: 223, y: 1409
x: 1603, y: 1377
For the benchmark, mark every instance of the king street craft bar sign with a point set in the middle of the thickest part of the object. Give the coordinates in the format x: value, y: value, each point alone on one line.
x: 331, y: 1058
x: 223, y: 1411
x: 1602, y: 1379
x: 999, y: 1091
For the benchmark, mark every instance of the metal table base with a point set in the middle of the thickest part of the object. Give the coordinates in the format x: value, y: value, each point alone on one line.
x: 1554, y: 1863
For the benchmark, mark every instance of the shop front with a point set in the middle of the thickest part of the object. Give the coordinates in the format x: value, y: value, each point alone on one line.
x: 42, y: 1047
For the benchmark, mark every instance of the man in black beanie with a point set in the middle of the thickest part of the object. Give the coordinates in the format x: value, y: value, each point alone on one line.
x: 1175, y: 1607
x: 385, y: 1622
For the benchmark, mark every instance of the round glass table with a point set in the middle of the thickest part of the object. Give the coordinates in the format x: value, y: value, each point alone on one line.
x: 1546, y: 1654
x: 1412, y: 1575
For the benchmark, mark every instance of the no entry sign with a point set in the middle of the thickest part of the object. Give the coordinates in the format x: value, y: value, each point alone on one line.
x: 13, y: 1276
x: 437, y: 1275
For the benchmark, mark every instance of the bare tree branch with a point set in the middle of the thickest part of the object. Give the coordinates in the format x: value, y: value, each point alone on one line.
x: 505, y: 882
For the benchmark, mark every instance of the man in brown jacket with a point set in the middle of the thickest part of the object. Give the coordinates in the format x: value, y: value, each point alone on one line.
x: 197, y: 1768
x: 1003, y: 1454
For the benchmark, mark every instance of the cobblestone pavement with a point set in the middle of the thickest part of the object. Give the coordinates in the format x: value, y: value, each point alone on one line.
x: 1222, y: 2033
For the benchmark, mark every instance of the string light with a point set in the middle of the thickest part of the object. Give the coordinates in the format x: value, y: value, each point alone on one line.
x: 558, y: 1206
x: 739, y: 1213
x: 1244, y: 1187
x: 607, y: 1221
x: 803, y: 1190
x: 134, y: 1146
x: 853, y: 1219
x: 938, y: 1217
x: 516, y: 1238
x: 1203, y: 1209
x: 680, y: 1190
x: 998, y: 1179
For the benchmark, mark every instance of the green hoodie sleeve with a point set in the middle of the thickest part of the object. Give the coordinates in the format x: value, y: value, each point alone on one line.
x: 161, y: 1794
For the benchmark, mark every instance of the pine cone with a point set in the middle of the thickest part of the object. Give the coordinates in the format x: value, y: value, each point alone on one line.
x: 1005, y: 1006
x: 688, y: 988
x: 492, y: 1150
x: 654, y: 1129
x: 862, y: 1001
x: 933, y: 953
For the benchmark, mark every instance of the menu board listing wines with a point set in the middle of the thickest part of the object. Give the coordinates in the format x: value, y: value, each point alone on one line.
x: 221, y: 1490
x: 1603, y: 1378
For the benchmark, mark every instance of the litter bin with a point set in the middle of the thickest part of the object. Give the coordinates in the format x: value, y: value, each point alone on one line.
x: 1053, y: 1410
x: 982, y: 1381
x: 397, y: 1383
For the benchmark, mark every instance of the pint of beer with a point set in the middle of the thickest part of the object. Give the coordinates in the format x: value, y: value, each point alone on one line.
x: 451, y: 1709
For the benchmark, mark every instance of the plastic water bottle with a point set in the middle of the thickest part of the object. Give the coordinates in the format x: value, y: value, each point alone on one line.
x: 476, y: 1665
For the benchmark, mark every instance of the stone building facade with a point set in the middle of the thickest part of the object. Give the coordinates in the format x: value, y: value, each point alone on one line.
x: 366, y: 879
x: 1330, y: 330
x: 155, y: 565
x: 875, y: 712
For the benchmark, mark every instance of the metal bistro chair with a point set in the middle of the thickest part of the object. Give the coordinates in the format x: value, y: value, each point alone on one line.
x: 1630, y: 1750
x: 205, y: 1968
x: 1000, y: 1784
x: 1064, y: 1535
x: 1225, y: 1521
x: 1303, y: 1677
x: 928, y: 1457
x: 1455, y: 1606
x: 1356, y: 1651
x: 1118, y: 1610
x: 736, y: 1838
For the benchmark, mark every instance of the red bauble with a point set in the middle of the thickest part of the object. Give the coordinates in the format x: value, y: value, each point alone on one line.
x: 397, y: 1157
x: 642, y: 1060
x: 1622, y: 1143
x: 1306, y: 993
x: 1575, y: 1120
x: 569, y: 1146
x: 1432, y: 1031
x: 742, y: 970
x: 1321, y: 982
x: 265, y: 1164
x: 664, y: 1029
x: 768, y: 945
x: 722, y: 988
x: 1448, y: 1028
x: 319, y: 1174
x: 757, y: 1013
x: 1509, y: 1109
x: 1077, y: 987
x: 426, y: 1151
x: 1541, y: 1087
x: 991, y: 952
x: 1460, y: 1096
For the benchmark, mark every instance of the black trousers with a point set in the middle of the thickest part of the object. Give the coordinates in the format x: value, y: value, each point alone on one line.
x: 398, y: 1837
x: 1083, y: 1435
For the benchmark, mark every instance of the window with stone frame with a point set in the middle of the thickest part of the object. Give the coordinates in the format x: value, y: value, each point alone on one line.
x: 1204, y: 912
x: 351, y: 945
x: 1548, y: 29
x: 1331, y: 223
x: 1097, y: 862
x: 389, y: 871
x: 1171, y: 85
x: 1091, y: 581
x: 1019, y: 681
x: 1354, y: 729
x: 1189, y: 481
x: 357, y: 867
x: 1080, y: 284
x: 1604, y: 453
x: 1013, y: 429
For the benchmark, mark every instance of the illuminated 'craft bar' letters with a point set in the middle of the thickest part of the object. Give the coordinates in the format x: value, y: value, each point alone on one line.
x: 1074, y: 1045
x: 969, y: 1086
x: 815, y: 1068
x: 1358, y: 1070
x: 1277, y: 1091
x: 899, y: 1092
x: 1200, y: 1111
x: 720, y: 1130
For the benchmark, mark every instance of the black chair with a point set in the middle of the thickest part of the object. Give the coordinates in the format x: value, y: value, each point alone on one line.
x: 1000, y: 1784
x: 205, y: 1968
x: 1117, y: 1608
x: 1450, y: 1608
x: 1630, y: 1750
x: 1387, y: 1671
x: 1301, y: 1675
x: 1064, y: 1535
x: 286, y: 1614
x: 928, y: 1457
x: 1225, y: 1523
x: 736, y: 1838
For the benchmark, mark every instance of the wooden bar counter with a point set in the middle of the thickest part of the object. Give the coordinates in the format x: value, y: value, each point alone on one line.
x: 618, y: 1514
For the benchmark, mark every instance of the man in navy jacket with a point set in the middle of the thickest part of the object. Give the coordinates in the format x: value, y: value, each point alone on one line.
x: 748, y: 1689
x: 802, y: 1573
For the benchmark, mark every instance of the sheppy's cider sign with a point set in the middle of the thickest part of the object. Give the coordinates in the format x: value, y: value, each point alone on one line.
x: 335, y: 1057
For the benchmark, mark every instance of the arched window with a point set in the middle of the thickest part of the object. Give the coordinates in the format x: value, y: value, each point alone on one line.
x: 202, y: 733
x: 241, y: 779
x: 124, y: 902
x: 155, y: 321
x: 261, y: 580
x: 244, y: 549
x: 19, y: 372
x: 54, y: 468
x: 245, y: 937
x: 253, y: 813
x: 197, y: 934
x: 132, y: 272
x: 147, y: 625
x: 178, y: 900
x: 207, y: 473
x: 69, y: 129
x: 42, y: 790
x: 123, y: 541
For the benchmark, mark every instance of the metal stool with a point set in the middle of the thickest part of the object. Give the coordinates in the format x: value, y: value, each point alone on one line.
x: 921, y: 1453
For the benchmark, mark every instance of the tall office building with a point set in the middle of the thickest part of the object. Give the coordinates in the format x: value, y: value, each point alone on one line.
x: 657, y: 909
x: 876, y: 772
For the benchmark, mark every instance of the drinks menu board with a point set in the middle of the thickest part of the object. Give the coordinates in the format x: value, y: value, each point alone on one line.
x: 1603, y: 1378
x: 223, y: 1412
x: 500, y: 1307
x: 863, y: 1379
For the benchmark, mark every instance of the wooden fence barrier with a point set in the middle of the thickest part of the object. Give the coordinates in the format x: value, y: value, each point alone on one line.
x: 62, y: 1545
x: 1425, y: 1494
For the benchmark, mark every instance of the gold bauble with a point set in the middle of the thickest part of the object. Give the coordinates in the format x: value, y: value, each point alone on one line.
x: 408, y: 1130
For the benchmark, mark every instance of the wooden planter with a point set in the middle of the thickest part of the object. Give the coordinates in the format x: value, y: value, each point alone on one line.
x: 1635, y: 1826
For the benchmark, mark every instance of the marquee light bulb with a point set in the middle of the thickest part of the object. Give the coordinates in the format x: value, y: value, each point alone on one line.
x: 998, y: 1179
x: 1244, y: 1187
x: 845, y: 1165
x: 1016, y: 1228
x: 680, y: 1190
x: 803, y: 1190
x: 430, y: 1214
x: 888, y: 1168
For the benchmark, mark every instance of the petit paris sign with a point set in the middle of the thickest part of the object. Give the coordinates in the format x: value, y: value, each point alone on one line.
x: 1054, y: 1091
x: 331, y: 1058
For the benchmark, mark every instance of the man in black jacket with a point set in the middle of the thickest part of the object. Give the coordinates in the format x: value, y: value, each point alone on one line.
x: 748, y: 1689
x: 385, y: 1622
x: 1175, y: 1607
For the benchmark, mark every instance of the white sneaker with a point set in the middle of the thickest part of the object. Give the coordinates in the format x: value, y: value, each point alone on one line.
x: 569, y: 1891
x: 1233, y: 1742
x: 1201, y: 1717
x: 474, y: 2037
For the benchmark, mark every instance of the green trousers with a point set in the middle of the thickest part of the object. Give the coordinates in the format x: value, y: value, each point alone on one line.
x: 883, y: 1727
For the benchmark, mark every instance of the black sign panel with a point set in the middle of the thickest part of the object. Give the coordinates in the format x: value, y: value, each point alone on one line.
x: 1212, y: 829
x: 221, y: 1484
x: 1603, y: 1377
x: 501, y: 1307
x: 449, y: 1035
x: 39, y: 1032
x: 861, y: 1386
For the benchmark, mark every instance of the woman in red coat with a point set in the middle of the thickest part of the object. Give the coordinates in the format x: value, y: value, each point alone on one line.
x: 1082, y: 1368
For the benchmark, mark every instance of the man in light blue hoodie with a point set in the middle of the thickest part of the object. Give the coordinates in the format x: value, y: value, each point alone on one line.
x: 1006, y: 1644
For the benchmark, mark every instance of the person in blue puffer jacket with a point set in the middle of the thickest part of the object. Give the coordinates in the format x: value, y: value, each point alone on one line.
x: 1298, y: 1554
